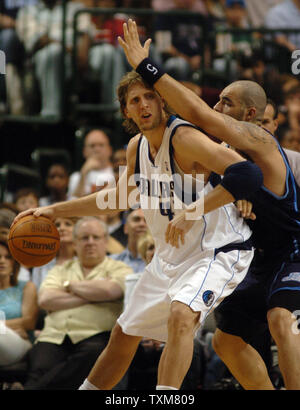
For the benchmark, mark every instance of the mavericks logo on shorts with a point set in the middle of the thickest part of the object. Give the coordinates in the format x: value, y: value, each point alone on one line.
x: 208, y: 297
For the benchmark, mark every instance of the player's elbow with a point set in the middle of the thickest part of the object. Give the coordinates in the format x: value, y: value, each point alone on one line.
x: 242, y: 178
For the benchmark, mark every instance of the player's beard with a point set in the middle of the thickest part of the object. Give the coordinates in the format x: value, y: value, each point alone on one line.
x: 151, y: 126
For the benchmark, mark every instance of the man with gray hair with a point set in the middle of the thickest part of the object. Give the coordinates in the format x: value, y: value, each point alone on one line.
x: 83, y: 297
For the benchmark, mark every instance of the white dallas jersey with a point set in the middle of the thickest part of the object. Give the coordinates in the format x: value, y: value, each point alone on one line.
x: 163, y: 194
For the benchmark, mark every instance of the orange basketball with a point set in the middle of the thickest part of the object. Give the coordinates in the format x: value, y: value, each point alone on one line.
x: 33, y: 241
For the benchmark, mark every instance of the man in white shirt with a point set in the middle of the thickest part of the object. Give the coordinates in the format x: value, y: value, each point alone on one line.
x: 96, y: 171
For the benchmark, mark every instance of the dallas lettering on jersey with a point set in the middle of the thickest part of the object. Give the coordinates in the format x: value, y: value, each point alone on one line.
x: 161, y: 191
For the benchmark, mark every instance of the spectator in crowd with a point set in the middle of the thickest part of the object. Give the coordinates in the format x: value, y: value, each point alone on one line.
x: 286, y: 14
x: 230, y: 47
x: 26, y: 198
x: 180, y: 39
x: 134, y: 227
x: 57, y: 183
x: 83, y: 298
x: 105, y: 57
x: 198, y: 6
x: 145, y: 248
x: 118, y: 160
x: 66, y: 250
x: 97, y: 170
x: 257, y: 10
x: 292, y: 103
x: 270, y: 122
x: 40, y: 28
x: 18, y: 304
x: 290, y: 139
x: 10, y: 44
x: 6, y: 219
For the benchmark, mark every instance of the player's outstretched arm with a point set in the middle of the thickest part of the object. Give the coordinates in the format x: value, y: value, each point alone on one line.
x: 98, y: 203
x: 244, y: 136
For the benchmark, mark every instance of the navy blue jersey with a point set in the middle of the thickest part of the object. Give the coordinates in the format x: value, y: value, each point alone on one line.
x: 276, y: 229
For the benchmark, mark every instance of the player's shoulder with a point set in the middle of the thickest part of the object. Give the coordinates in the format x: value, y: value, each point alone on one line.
x: 133, y: 144
x: 132, y: 148
x: 184, y: 134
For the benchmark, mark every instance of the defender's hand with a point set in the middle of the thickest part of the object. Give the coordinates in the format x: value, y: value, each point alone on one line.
x: 245, y: 209
x: 177, y: 228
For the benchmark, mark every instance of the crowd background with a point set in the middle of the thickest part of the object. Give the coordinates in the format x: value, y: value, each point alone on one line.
x: 62, y: 137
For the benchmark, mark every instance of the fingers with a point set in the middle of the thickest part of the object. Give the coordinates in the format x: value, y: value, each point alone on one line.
x: 173, y: 235
x: 244, y: 207
x: 147, y: 45
x: 24, y: 213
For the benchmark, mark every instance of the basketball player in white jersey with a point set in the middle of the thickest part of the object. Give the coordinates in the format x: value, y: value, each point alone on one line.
x: 181, y: 285
x: 269, y: 295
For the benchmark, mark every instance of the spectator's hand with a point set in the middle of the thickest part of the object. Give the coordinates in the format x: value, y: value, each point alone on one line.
x: 134, y: 51
x: 90, y: 164
x: 245, y: 209
x: 21, y: 332
x: 46, y: 211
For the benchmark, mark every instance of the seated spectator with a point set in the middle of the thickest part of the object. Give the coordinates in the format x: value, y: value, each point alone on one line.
x: 290, y: 139
x: 257, y: 11
x: 231, y: 46
x: 10, y: 44
x: 26, y: 198
x: 292, y: 103
x: 270, y: 123
x: 118, y: 160
x: 6, y: 219
x: 57, y: 183
x: 66, y: 250
x: 180, y: 39
x: 134, y: 227
x: 40, y: 28
x: 96, y: 171
x: 145, y: 248
x: 105, y: 57
x: 83, y: 297
x: 18, y: 304
x: 286, y: 14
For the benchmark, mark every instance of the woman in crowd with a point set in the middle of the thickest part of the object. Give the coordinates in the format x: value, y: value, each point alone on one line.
x: 18, y: 310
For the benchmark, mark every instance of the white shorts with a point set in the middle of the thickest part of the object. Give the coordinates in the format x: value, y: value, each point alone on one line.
x: 201, y: 283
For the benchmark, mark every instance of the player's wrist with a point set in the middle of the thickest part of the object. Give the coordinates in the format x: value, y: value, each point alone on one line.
x: 150, y: 71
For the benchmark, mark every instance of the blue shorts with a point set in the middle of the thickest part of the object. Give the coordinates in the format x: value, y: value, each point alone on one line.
x: 244, y: 312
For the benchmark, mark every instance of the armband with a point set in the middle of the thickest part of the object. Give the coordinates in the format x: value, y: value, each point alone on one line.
x: 149, y: 71
x: 242, y: 179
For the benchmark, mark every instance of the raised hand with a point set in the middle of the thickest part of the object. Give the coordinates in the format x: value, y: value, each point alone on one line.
x: 134, y: 51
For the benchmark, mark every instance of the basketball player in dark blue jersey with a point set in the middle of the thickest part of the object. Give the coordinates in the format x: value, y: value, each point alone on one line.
x: 272, y: 290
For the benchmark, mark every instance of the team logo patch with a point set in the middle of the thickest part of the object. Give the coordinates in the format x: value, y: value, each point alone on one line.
x: 208, y: 297
x: 295, y: 276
